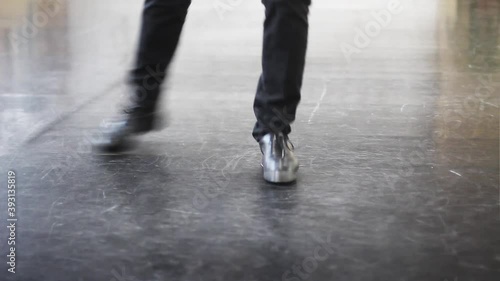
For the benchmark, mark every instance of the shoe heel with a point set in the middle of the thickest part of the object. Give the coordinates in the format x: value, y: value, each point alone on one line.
x: 143, y: 124
x: 280, y: 176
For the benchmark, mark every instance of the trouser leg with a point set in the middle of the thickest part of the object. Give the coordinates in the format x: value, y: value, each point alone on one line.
x: 283, y: 59
x: 162, y: 23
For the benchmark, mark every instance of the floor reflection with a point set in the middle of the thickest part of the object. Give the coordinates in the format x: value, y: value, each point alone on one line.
x: 467, y: 114
x: 56, y: 56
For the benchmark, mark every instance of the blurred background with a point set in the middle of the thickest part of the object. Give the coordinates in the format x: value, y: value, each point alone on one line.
x: 397, y: 133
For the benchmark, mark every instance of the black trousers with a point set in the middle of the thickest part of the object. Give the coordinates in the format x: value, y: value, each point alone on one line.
x: 283, y: 58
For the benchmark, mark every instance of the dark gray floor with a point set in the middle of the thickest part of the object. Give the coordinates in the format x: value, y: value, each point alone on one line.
x: 399, y: 148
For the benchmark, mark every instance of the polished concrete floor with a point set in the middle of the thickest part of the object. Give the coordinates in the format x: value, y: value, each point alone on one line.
x: 397, y: 133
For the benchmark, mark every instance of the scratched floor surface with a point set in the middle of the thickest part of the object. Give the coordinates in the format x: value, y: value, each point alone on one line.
x: 397, y: 133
